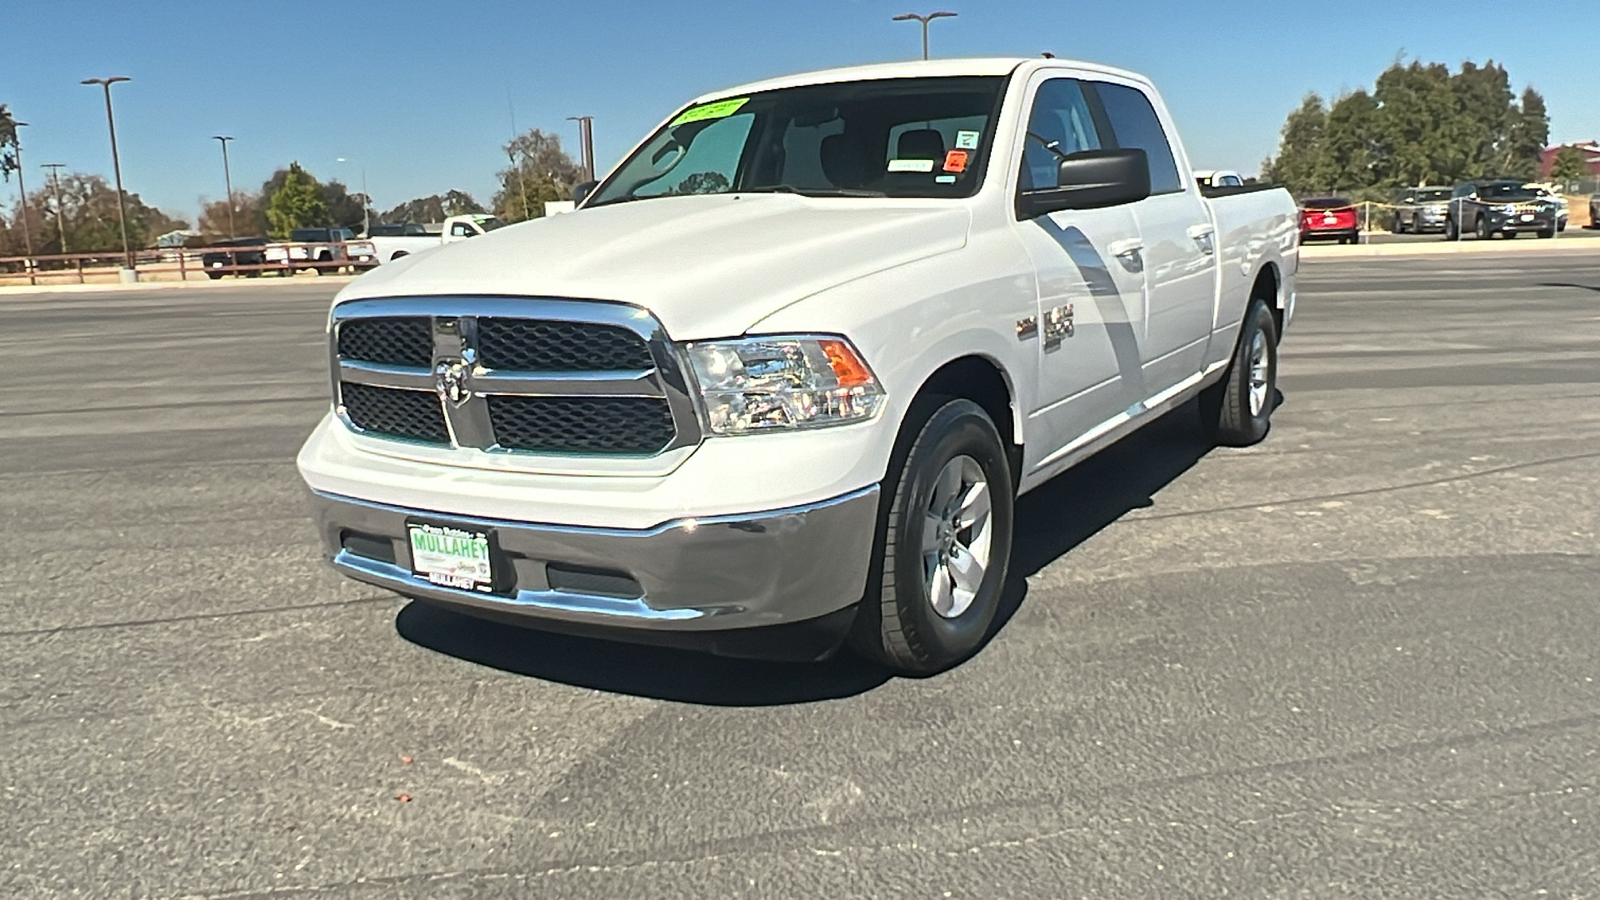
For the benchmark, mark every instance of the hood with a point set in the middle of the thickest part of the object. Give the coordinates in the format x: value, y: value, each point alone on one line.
x: 707, y: 266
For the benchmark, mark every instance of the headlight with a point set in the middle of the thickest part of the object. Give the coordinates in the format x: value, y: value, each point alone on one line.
x: 765, y: 383
x: 1508, y: 208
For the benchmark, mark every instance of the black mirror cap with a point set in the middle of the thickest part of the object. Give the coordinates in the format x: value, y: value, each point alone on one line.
x: 1091, y: 179
x: 582, y: 191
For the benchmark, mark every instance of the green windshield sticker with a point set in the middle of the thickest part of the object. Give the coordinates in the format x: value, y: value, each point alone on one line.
x: 718, y: 110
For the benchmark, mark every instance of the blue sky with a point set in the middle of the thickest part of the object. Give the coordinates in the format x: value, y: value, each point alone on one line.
x: 416, y: 92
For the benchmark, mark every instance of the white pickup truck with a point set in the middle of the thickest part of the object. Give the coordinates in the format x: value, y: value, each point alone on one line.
x: 390, y: 247
x: 775, y: 386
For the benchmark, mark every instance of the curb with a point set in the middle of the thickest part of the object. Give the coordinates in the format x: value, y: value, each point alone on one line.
x: 112, y: 287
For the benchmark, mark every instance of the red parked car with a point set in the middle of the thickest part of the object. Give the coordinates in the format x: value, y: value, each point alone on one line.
x: 1329, y: 217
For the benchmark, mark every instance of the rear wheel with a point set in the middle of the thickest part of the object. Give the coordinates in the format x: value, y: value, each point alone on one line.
x: 946, y: 542
x: 1237, y: 411
x: 1450, y: 231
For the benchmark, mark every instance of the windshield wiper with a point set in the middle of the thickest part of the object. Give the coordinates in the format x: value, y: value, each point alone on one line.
x: 810, y: 192
x: 623, y: 199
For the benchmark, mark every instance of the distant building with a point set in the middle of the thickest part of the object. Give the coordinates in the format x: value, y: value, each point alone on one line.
x: 1590, y: 150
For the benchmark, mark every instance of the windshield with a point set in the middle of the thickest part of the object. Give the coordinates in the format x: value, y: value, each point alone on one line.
x: 490, y: 223
x: 1508, y: 190
x: 905, y: 137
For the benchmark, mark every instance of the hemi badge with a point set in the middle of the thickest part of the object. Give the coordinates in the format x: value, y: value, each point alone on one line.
x: 1027, y: 328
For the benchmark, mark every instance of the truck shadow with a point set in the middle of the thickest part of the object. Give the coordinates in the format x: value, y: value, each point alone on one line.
x: 1050, y: 522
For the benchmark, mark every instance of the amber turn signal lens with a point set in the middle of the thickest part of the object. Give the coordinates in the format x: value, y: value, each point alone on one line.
x: 847, y: 367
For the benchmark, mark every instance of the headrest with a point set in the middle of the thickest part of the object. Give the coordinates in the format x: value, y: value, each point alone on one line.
x: 924, y: 143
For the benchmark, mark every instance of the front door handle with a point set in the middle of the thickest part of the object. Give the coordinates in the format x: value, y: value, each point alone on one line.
x: 1127, y: 247
x: 1205, y: 236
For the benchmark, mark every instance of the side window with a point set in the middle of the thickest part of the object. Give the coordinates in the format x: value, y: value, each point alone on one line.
x: 1059, y: 123
x: 1134, y: 122
x: 708, y: 165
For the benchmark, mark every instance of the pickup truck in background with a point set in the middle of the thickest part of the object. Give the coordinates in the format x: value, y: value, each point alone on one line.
x: 320, y: 250
x: 776, y: 385
x: 390, y: 247
x: 235, y: 256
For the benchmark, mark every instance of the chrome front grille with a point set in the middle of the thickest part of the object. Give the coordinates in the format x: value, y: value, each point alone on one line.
x: 391, y: 341
x: 544, y: 346
x: 521, y: 376
x: 412, y: 415
x: 629, y: 425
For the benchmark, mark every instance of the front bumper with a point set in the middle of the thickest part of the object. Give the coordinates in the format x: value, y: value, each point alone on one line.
x: 1503, y: 223
x: 686, y: 577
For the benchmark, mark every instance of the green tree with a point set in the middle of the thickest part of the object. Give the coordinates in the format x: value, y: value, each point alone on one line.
x: 1530, y: 134
x: 297, y: 204
x: 1569, y: 165
x: 1302, y: 164
x: 540, y: 171
x: 434, y: 208
x: 1349, y: 148
x: 249, y: 217
x: 89, y: 212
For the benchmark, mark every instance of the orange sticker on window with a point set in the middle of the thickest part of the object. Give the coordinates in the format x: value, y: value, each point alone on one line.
x: 955, y: 161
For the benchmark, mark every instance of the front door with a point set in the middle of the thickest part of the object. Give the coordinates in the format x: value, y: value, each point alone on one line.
x: 1091, y: 300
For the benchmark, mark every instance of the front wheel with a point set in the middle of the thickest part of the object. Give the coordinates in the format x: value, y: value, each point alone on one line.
x: 1451, y: 233
x: 946, y: 542
x: 1237, y: 411
x: 1483, y: 229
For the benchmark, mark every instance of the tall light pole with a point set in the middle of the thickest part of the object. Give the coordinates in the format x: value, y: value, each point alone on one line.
x: 585, y: 143
x: 227, y: 177
x: 116, y: 167
x: 27, y: 234
x: 366, y: 222
x: 913, y: 17
x: 55, y: 184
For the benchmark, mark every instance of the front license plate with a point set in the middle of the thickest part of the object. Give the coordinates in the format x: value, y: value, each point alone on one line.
x: 451, y: 557
x: 1527, y: 217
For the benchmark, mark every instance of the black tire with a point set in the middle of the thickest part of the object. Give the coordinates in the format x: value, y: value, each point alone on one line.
x: 1511, y: 235
x: 1482, y: 230
x: 897, y: 625
x: 1450, y: 232
x: 214, y: 276
x: 1226, y: 412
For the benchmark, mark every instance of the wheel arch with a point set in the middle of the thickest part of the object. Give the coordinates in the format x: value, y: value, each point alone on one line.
x: 985, y: 382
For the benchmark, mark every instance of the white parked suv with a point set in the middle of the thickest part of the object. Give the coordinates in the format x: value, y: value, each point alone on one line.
x: 777, y: 382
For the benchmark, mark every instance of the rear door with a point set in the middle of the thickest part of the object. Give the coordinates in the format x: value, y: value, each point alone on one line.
x: 1178, y: 242
x: 1091, y: 301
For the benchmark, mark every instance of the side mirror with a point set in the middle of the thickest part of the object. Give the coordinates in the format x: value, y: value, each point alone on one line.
x: 1091, y: 179
x: 581, y: 192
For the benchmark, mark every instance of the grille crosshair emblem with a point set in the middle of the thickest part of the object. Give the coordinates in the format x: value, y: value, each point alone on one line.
x: 450, y: 379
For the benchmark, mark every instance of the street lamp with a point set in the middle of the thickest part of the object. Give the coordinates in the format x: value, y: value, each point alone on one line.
x: 129, y: 272
x: 55, y: 184
x: 227, y: 178
x: 27, y: 235
x: 913, y: 17
x: 366, y: 222
x: 585, y: 143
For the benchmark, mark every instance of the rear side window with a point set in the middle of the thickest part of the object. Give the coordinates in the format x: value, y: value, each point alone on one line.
x: 1134, y: 122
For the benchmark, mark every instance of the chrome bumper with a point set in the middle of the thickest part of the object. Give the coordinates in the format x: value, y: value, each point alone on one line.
x: 690, y: 575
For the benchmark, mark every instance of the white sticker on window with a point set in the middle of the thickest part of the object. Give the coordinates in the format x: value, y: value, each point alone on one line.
x: 911, y: 165
x: 967, y: 140
x: 946, y: 179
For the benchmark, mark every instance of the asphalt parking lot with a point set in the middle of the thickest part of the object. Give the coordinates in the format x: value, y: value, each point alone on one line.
x: 1360, y: 659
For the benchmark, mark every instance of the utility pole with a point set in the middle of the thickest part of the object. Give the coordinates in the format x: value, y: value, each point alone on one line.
x: 27, y: 233
x: 913, y: 17
x: 55, y: 184
x: 129, y: 272
x: 227, y: 178
x: 585, y: 143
